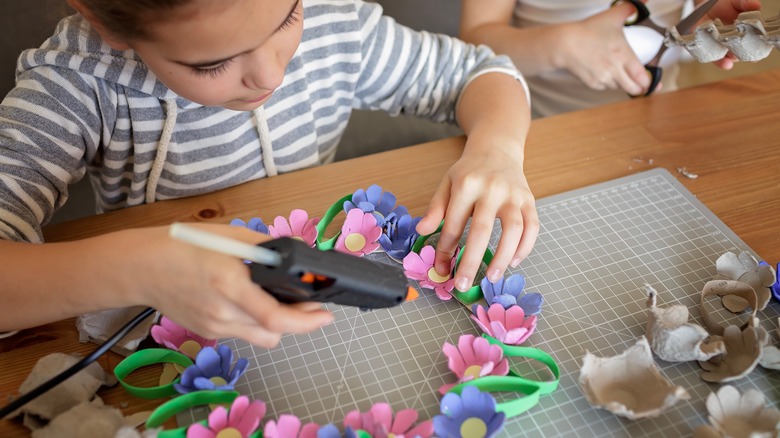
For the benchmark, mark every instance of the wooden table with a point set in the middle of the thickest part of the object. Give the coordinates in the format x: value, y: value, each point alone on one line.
x: 727, y: 132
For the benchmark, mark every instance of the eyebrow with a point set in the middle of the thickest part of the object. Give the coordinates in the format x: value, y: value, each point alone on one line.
x: 201, y: 64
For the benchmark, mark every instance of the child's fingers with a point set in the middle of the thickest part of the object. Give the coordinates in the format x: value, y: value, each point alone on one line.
x: 436, y: 209
x: 458, y: 212
x: 276, y: 317
x: 512, y: 226
x: 530, y: 233
x: 478, y: 239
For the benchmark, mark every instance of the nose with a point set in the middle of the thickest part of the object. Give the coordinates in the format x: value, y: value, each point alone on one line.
x: 264, y: 70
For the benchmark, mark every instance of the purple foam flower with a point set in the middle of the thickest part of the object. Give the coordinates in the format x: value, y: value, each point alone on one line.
x: 254, y: 224
x: 359, y: 234
x: 379, y: 422
x: 509, y: 326
x: 471, y: 414
x: 399, y: 236
x: 175, y: 337
x: 474, y: 357
x: 212, y: 371
x: 331, y: 431
x: 242, y: 418
x: 289, y: 426
x: 298, y: 226
x: 509, y: 292
x: 377, y: 202
x: 420, y: 267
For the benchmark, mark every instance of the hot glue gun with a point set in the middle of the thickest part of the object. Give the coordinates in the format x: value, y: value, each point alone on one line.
x: 293, y: 272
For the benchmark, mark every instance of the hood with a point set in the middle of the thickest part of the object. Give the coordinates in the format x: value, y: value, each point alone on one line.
x: 76, y: 46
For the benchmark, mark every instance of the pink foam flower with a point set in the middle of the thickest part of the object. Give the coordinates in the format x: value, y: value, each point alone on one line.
x: 242, y: 419
x: 509, y: 326
x: 299, y: 226
x: 289, y: 426
x: 175, y: 337
x: 474, y: 357
x: 379, y: 422
x: 359, y: 234
x: 420, y: 267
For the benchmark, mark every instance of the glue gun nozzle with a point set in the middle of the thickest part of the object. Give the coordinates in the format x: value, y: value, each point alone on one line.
x: 411, y: 294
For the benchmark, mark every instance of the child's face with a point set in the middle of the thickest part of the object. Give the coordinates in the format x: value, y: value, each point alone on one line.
x: 228, y: 53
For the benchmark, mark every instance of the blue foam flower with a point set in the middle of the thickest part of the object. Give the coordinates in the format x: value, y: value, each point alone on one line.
x: 254, y: 224
x: 399, y: 236
x: 378, y: 202
x: 471, y: 414
x: 775, y: 288
x: 509, y: 292
x: 212, y: 371
x: 331, y: 431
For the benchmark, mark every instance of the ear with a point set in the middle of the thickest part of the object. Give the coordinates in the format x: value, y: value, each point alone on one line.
x: 96, y: 24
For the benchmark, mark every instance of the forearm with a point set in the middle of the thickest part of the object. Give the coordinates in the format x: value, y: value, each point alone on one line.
x: 49, y: 282
x: 495, y: 106
x: 533, y: 50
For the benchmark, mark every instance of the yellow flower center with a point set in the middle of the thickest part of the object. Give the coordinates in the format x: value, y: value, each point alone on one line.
x: 473, y: 428
x: 189, y: 348
x: 218, y: 381
x: 298, y: 237
x: 230, y: 432
x: 435, y: 277
x: 472, y: 371
x: 355, y: 242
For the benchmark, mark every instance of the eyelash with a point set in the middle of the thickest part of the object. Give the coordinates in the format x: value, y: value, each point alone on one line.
x: 219, y: 69
x: 213, y: 71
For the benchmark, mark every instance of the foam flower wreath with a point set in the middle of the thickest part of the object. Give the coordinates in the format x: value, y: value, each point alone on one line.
x: 212, y: 371
x: 241, y: 420
x: 472, y: 414
x: 399, y: 236
x: 510, y: 292
x: 531, y: 391
x: 419, y: 266
x: 289, y: 426
x: 175, y: 337
x: 379, y: 422
x: 297, y: 226
x: 381, y: 204
x: 474, y: 357
x: 509, y: 326
x: 254, y: 224
x: 359, y: 235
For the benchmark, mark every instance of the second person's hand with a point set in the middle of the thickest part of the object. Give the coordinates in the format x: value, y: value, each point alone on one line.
x: 595, y: 50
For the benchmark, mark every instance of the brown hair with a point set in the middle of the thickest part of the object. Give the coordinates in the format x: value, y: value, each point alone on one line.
x: 128, y: 19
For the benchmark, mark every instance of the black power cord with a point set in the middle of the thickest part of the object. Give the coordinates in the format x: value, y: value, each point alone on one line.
x: 75, y: 368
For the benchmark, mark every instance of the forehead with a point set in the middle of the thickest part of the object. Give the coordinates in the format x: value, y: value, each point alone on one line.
x: 212, y: 28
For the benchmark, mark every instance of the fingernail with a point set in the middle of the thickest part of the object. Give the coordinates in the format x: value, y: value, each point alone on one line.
x: 462, y: 284
x: 494, y: 275
x: 515, y: 263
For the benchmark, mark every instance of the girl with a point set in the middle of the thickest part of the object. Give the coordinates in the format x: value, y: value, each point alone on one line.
x: 159, y: 99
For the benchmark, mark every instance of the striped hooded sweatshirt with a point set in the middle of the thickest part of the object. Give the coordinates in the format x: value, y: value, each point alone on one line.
x: 81, y: 108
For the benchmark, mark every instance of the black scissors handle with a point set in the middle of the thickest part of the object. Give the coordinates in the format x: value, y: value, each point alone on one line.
x: 642, y: 13
x: 642, y: 17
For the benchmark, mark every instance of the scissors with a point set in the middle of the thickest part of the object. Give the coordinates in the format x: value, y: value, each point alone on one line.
x: 642, y: 18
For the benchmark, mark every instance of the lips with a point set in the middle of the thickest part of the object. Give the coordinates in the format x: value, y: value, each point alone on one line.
x: 263, y: 97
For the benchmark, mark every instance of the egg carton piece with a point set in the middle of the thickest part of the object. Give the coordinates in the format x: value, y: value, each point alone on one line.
x: 751, y: 38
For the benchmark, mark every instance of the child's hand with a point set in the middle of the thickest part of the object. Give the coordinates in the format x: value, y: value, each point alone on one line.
x: 212, y: 293
x: 596, y: 51
x: 483, y: 186
x: 727, y: 11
